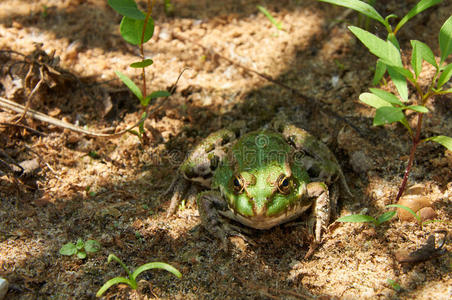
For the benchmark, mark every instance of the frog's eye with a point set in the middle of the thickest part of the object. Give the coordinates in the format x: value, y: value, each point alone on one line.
x: 284, y: 184
x: 239, y: 183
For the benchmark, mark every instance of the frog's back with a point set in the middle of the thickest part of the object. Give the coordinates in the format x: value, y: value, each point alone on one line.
x: 258, y: 149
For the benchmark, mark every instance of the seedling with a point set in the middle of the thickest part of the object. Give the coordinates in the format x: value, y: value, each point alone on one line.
x: 262, y: 9
x: 395, y: 286
x: 415, y: 215
x: 137, y: 28
x: 131, y: 280
x: 368, y: 219
x: 389, y: 108
x: 80, y: 248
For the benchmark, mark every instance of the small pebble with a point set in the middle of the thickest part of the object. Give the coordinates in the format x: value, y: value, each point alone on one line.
x: 427, y: 213
x: 415, y: 202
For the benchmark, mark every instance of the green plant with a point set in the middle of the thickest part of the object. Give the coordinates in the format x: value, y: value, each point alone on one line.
x: 368, y: 219
x: 131, y: 280
x: 262, y: 9
x: 389, y: 108
x: 137, y: 28
x: 395, y: 286
x: 80, y: 248
x: 415, y: 215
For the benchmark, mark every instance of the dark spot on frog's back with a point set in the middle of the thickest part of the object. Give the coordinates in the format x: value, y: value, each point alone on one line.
x: 214, y: 161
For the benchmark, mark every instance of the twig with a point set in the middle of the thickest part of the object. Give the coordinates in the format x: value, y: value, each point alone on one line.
x: 23, y: 126
x: 11, y: 105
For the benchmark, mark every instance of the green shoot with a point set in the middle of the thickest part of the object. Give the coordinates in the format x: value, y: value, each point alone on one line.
x: 368, y: 219
x: 80, y: 248
x: 137, y: 28
x: 262, y: 9
x: 415, y: 215
x: 131, y: 280
x: 390, y: 108
x: 395, y: 286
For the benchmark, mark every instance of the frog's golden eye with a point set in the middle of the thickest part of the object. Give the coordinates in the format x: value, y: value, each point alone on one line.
x: 284, y: 184
x: 238, y: 183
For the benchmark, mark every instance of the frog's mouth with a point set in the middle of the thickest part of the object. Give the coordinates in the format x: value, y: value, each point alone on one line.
x: 263, y: 221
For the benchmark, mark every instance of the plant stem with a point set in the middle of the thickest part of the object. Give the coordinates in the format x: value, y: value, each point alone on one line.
x: 148, y: 14
x: 416, y: 141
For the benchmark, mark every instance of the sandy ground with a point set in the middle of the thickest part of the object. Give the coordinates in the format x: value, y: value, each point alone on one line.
x: 109, y: 189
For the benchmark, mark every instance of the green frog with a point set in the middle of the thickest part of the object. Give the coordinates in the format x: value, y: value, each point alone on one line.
x: 262, y: 179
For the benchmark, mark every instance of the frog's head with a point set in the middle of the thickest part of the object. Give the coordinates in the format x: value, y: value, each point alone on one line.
x: 260, y: 182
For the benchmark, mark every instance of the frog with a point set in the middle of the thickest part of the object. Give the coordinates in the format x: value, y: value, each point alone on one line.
x: 262, y: 179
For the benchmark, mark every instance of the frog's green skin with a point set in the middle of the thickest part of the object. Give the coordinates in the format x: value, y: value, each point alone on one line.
x: 262, y: 179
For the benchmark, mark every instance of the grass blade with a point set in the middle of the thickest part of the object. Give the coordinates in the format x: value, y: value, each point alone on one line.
x: 112, y: 282
x: 407, y: 209
x: 357, y: 219
x: 386, y: 217
x: 154, y: 265
x: 269, y: 17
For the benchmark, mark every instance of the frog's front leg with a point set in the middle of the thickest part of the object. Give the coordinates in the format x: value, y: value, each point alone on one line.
x: 321, y: 210
x: 209, y: 205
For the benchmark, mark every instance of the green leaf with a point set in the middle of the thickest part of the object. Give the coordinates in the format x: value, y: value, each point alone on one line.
x: 385, y: 217
x: 399, y: 81
x: 68, y: 249
x: 81, y: 254
x: 111, y: 283
x: 115, y: 258
x: 416, y: 59
x: 394, y: 285
x: 359, y: 6
x: 380, y: 70
x: 357, y: 219
x: 384, y: 50
x: 418, y: 108
x: 387, y: 96
x: 443, y: 140
x: 131, y: 30
x: 158, y: 265
x: 92, y: 246
x: 127, y: 8
x: 373, y: 100
x: 153, y: 95
x: 388, y: 114
x: 445, y: 75
x: 418, y: 218
x: 418, y: 8
x: 130, y: 84
x: 445, y: 39
x: 269, y: 17
x: 80, y: 244
x: 142, y: 64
